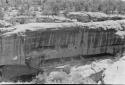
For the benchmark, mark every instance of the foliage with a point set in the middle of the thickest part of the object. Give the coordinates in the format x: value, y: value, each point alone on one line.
x: 55, y: 6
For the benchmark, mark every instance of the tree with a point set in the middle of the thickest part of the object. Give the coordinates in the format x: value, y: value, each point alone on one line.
x: 1, y: 14
x: 120, y: 6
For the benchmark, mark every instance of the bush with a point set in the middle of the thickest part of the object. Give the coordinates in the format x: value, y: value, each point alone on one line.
x: 57, y: 76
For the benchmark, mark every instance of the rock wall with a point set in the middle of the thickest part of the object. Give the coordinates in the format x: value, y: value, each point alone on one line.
x: 61, y: 40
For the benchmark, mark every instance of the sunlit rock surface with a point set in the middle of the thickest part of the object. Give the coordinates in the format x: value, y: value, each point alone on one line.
x: 115, y: 74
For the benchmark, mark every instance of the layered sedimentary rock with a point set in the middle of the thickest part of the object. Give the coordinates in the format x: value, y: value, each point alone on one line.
x: 57, y: 40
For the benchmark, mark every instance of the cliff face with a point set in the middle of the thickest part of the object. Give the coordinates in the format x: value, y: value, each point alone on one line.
x: 58, y: 40
x: 44, y: 41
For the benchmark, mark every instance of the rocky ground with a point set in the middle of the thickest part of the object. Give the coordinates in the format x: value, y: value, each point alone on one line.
x: 95, y: 70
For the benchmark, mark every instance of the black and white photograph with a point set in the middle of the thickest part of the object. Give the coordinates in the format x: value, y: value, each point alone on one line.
x: 62, y: 42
